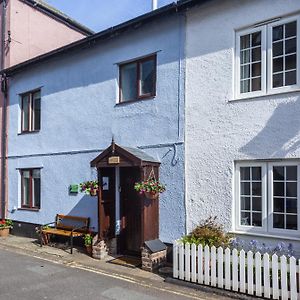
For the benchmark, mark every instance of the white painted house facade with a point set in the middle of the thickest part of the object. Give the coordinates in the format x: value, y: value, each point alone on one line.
x: 242, y: 125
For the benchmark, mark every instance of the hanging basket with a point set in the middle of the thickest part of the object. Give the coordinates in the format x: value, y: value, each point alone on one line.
x: 151, y: 196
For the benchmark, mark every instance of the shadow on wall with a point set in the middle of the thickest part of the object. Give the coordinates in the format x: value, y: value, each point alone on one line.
x: 87, y: 207
x: 281, y: 134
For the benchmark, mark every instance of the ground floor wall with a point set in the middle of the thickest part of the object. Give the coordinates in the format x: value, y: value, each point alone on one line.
x: 60, y: 170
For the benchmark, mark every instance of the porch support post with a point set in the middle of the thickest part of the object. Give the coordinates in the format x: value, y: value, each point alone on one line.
x: 117, y: 197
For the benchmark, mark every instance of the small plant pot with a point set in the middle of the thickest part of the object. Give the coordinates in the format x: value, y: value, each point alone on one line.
x: 4, y: 232
x: 89, y: 249
x: 151, y: 196
x: 93, y: 193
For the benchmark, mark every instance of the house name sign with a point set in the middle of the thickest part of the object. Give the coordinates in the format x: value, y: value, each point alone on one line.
x: 114, y: 160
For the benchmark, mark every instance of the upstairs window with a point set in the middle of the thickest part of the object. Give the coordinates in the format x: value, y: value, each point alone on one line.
x: 267, y: 59
x: 30, y: 188
x: 31, y: 111
x: 138, y: 79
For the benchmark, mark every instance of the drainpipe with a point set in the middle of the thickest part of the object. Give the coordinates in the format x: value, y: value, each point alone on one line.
x: 154, y: 4
x: 4, y: 95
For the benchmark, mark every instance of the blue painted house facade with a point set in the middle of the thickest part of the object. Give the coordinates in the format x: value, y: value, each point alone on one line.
x: 79, y: 110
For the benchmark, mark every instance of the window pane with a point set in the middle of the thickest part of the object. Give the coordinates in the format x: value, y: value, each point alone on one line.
x: 278, y: 64
x: 290, y: 78
x: 256, y: 69
x: 256, y: 39
x: 245, y: 218
x: 290, y: 46
x: 256, y: 203
x: 245, y: 56
x: 147, y: 75
x: 291, y: 29
x: 277, y: 80
x: 256, y: 219
x: 278, y: 173
x: 245, y: 86
x: 291, y: 173
x: 256, y: 84
x: 36, y: 192
x: 245, y: 203
x: 291, y: 205
x: 129, y: 82
x: 291, y: 189
x: 256, y: 173
x: 245, y: 72
x: 256, y: 54
x: 277, y: 33
x: 245, y: 173
x: 291, y: 222
x: 25, y: 112
x: 278, y: 188
x: 245, y: 188
x: 256, y: 188
x: 245, y: 41
x: 26, y: 188
x: 290, y: 62
x: 278, y: 221
x: 278, y: 205
x: 277, y: 48
x: 36, y: 102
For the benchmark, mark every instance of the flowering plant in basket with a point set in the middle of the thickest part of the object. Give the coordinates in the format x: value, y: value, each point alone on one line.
x: 90, y: 187
x: 150, y: 187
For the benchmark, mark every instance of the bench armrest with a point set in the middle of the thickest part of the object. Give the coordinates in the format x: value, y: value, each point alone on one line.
x: 78, y: 228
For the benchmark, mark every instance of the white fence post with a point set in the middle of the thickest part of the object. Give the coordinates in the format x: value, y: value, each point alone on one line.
x: 194, y: 263
x: 227, y: 269
x: 293, y: 278
x: 181, y: 261
x: 206, y: 265
x: 187, y: 258
x: 175, y: 259
x: 275, y: 285
x: 283, y: 277
x: 213, y: 266
x: 258, y: 274
x: 266, y: 264
x: 250, y: 272
x: 220, y: 267
x: 200, y: 264
x: 235, y: 270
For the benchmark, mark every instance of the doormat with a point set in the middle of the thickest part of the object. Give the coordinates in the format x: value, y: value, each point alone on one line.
x: 127, y: 261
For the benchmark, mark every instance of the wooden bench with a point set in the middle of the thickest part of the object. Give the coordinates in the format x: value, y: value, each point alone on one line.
x: 68, y: 226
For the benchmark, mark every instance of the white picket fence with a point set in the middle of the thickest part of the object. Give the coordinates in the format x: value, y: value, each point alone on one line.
x: 254, y: 274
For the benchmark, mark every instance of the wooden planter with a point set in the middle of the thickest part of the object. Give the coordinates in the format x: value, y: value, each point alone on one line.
x: 89, y: 249
x: 151, y: 196
x: 4, y: 232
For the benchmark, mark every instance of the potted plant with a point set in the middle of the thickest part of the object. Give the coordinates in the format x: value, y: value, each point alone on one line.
x: 151, y: 188
x: 5, y: 226
x: 88, y: 242
x: 90, y: 187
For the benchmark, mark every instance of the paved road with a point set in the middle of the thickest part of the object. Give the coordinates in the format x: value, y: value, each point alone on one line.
x: 29, y: 278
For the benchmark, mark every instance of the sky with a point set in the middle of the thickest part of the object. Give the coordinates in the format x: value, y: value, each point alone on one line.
x: 101, y: 14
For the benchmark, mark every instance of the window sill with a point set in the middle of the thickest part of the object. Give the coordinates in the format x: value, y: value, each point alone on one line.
x: 29, y: 132
x: 134, y: 101
x: 29, y: 209
x: 256, y: 97
x: 267, y: 235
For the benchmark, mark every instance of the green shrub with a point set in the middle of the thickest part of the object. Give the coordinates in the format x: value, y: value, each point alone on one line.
x: 210, y: 233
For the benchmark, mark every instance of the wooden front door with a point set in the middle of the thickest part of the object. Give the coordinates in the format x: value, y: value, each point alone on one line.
x: 107, y: 207
x: 130, y: 204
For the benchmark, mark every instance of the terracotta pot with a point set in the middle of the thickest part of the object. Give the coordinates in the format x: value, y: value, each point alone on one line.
x: 4, y: 232
x: 93, y: 193
x: 89, y: 249
x: 151, y: 196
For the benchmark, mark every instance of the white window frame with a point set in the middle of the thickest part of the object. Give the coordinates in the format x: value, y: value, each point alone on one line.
x: 290, y: 88
x: 238, y: 225
x: 263, y: 63
x: 267, y: 199
x: 280, y: 231
x: 267, y: 63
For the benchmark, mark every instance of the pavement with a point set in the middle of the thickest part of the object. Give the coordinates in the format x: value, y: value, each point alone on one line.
x: 115, y: 280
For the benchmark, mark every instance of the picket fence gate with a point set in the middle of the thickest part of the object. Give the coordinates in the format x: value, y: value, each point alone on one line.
x: 250, y: 273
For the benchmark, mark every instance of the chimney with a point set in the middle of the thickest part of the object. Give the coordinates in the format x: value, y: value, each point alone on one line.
x: 154, y: 4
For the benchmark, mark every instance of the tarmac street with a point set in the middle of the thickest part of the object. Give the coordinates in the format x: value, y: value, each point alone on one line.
x: 29, y: 277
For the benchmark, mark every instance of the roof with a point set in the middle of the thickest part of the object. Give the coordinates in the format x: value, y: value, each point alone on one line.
x: 57, y: 14
x: 112, y: 32
x: 133, y: 156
